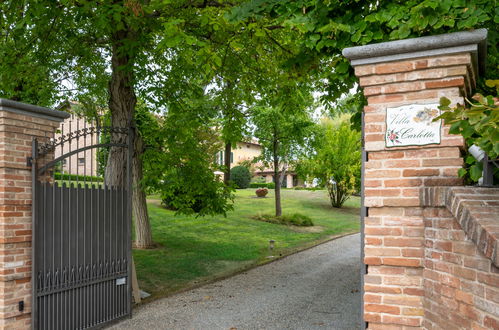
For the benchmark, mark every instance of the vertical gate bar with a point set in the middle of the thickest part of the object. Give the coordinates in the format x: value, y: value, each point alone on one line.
x: 98, y: 256
x: 110, y: 257
x: 122, y: 247
x: 62, y: 252
x: 78, y: 197
x: 34, y: 228
x: 54, y: 254
x: 44, y: 264
x: 92, y: 218
x: 110, y: 220
x: 129, y: 217
x: 116, y: 253
x: 84, y: 290
x: 54, y: 269
x: 105, y: 252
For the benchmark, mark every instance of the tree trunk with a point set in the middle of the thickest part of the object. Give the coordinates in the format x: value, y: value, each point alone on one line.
x: 122, y: 101
x: 143, y: 235
x: 227, y: 152
x: 277, y: 190
x: 283, y: 175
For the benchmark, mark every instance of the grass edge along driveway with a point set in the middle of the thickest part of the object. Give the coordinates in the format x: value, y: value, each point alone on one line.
x: 193, y: 251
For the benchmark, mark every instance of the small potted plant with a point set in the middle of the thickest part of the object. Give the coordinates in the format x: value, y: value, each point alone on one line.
x: 261, y: 192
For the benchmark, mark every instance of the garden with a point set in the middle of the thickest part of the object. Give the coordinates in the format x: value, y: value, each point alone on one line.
x: 191, y: 250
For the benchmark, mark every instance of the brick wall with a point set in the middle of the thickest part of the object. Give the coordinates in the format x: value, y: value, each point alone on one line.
x: 17, y: 129
x: 394, y: 227
x: 461, y: 274
x: 396, y: 248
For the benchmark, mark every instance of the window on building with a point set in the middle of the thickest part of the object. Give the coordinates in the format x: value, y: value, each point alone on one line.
x: 81, y: 160
x: 231, y: 157
x: 64, y: 162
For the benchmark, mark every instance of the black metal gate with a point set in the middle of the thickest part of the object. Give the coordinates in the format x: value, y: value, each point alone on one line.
x: 81, y: 272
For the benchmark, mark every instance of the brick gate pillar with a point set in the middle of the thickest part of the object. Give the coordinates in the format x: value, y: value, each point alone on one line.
x: 403, y: 82
x: 19, y: 124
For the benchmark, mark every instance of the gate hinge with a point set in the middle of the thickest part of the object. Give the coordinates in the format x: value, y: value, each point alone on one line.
x: 29, y: 161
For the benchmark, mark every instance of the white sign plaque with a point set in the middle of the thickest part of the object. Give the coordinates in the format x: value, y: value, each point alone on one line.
x: 412, y: 125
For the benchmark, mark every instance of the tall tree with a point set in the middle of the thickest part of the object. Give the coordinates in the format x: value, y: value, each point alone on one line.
x: 333, y: 157
x: 281, y: 126
x: 325, y: 28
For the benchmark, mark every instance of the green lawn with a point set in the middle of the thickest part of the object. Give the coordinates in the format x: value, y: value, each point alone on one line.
x: 196, y: 250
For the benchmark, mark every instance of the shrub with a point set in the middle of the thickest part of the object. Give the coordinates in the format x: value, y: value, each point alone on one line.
x: 309, y: 188
x: 271, y: 185
x: 295, y: 219
x: 336, y: 161
x: 262, y: 192
x: 169, y: 201
x: 241, y: 176
x: 74, y: 177
x: 258, y: 179
x: 258, y: 185
x: 477, y: 122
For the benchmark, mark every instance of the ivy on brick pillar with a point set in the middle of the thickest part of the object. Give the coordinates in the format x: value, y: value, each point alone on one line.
x: 19, y: 124
x: 400, y: 74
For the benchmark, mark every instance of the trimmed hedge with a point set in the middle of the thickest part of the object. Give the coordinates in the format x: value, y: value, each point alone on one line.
x: 309, y: 188
x: 295, y: 219
x: 270, y: 185
x: 74, y: 177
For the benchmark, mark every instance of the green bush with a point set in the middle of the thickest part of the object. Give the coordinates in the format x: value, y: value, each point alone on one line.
x: 170, y: 201
x: 258, y: 179
x: 258, y: 185
x: 271, y: 185
x: 295, y: 219
x: 241, y: 176
x: 477, y: 123
x: 74, y: 177
x: 309, y: 188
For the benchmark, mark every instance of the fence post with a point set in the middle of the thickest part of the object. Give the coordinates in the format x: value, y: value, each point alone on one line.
x: 406, y: 151
x: 19, y: 124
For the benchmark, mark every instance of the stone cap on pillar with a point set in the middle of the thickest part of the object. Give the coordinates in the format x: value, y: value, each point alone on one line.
x: 32, y: 110
x: 474, y: 42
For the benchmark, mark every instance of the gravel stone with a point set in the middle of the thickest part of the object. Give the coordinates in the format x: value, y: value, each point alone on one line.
x: 315, y: 289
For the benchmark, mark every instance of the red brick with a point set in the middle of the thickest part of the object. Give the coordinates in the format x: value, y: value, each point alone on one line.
x: 385, y: 98
x: 402, y: 183
x: 401, y: 201
x: 382, y: 289
x: 490, y: 279
x: 409, y: 321
x: 445, y: 83
x: 491, y: 322
x: 414, y: 292
x: 369, y: 192
x: 412, y: 252
x: 382, y: 251
x: 393, y: 67
x: 403, y: 242
x: 372, y: 317
x: 420, y: 172
x: 402, y: 300
x: 385, y: 155
x: 382, y: 308
x: 402, y: 163
x: 383, y: 231
x: 373, y: 241
x: 372, y: 261
x: 402, y: 262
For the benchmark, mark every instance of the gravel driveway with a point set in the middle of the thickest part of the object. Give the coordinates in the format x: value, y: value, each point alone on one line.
x: 314, y: 289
